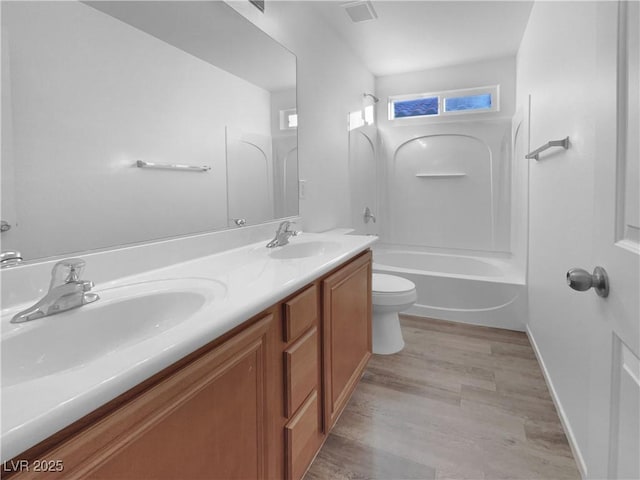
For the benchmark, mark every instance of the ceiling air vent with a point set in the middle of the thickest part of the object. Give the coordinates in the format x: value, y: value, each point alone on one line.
x: 360, y: 11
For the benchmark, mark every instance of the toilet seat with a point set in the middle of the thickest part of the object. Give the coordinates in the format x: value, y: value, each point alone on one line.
x: 383, y: 283
x: 388, y: 290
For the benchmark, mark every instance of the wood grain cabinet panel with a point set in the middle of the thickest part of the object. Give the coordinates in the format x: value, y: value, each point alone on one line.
x: 303, y: 437
x: 346, y: 333
x: 300, y: 313
x: 209, y: 433
x: 205, y: 421
x: 301, y: 370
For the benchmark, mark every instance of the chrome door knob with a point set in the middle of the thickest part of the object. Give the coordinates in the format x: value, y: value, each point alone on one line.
x: 581, y: 280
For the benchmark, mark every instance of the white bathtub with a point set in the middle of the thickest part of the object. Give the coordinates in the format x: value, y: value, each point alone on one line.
x: 478, y: 290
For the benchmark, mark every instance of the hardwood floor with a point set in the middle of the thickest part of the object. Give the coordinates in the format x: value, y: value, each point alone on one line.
x: 460, y: 401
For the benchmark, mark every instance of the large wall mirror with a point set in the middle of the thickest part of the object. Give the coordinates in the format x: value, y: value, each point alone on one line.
x: 96, y: 93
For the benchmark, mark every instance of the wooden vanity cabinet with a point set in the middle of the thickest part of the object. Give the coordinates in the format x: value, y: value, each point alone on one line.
x: 205, y: 421
x: 346, y: 333
x: 256, y: 403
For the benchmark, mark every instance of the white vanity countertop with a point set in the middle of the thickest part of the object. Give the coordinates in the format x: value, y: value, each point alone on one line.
x: 35, y: 409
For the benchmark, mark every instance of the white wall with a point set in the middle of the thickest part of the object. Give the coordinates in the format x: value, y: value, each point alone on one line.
x: 100, y: 95
x: 466, y: 212
x: 364, y: 174
x: 331, y: 81
x: 556, y: 65
x: 477, y: 144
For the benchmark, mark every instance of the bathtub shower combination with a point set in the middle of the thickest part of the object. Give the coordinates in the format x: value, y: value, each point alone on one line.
x: 444, y: 201
x: 483, y: 291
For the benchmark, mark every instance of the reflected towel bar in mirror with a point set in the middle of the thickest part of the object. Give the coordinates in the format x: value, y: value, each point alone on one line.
x: 564, y: 143
x: 171, y: 166
x: 441, y: 175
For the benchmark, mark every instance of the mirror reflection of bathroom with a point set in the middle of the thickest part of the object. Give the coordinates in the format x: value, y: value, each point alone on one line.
x: 124, y: 92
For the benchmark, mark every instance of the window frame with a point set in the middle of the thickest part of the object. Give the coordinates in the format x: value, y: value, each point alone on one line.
x: 493, y: 90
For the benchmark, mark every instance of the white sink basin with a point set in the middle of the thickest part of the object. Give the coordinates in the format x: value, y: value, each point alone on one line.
x: 123, y: 316
x: 305, y: 249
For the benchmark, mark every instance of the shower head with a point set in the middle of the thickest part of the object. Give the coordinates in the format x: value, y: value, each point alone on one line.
x: 375, y: 99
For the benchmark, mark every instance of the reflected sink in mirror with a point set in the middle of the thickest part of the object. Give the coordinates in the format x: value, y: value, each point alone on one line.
x: 305, y: 249
x: 123, y: 316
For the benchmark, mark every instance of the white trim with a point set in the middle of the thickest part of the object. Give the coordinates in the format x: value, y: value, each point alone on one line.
x: 575, y: 449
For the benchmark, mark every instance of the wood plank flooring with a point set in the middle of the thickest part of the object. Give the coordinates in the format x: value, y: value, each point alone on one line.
x: 459, y: 402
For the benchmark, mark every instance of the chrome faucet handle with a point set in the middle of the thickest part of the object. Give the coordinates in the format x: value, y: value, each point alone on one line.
x: 10, y: 258
x: 288, y: 231
x: 71, y: 268
x: 284, y: 226
x: 86, y: 285
x: 288, y: 227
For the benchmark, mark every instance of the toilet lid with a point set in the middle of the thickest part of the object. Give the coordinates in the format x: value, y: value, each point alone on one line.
x: 383, y: 283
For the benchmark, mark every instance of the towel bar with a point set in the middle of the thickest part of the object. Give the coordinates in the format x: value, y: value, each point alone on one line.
x: 441, y: 175
x: 564, y: 143
x: 171, y: 166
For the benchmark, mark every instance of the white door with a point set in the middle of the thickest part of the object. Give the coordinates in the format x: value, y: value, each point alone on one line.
x: 614, y: 402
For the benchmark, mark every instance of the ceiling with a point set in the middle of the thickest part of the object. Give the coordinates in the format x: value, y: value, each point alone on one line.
x: 213, y: 32
x: 418, y: 35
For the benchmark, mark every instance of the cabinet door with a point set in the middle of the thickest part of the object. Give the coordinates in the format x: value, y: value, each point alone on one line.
x: 205, y: 421
x: 346, y: 333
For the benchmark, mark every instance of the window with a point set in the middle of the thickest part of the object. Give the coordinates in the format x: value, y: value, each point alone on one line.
x: 415, y: 107
x: 288, y: 119
x: 468, y: 102
x: 452, y: 102
x: 356, y: 120
x: 360, y: 118
x: 369, y: 115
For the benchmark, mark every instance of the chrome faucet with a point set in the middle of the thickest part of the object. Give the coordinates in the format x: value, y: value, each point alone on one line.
x: 282, y: 235
x: 66, y: 291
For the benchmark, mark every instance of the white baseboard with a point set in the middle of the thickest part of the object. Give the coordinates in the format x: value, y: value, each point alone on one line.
x: 577, y: 454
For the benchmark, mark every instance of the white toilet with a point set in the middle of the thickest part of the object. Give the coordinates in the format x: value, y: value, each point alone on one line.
x: 390, y: 295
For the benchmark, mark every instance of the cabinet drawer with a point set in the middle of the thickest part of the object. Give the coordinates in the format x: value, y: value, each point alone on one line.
x: 301, y: 370
x: 300, y: 313
x: 303, y: 437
